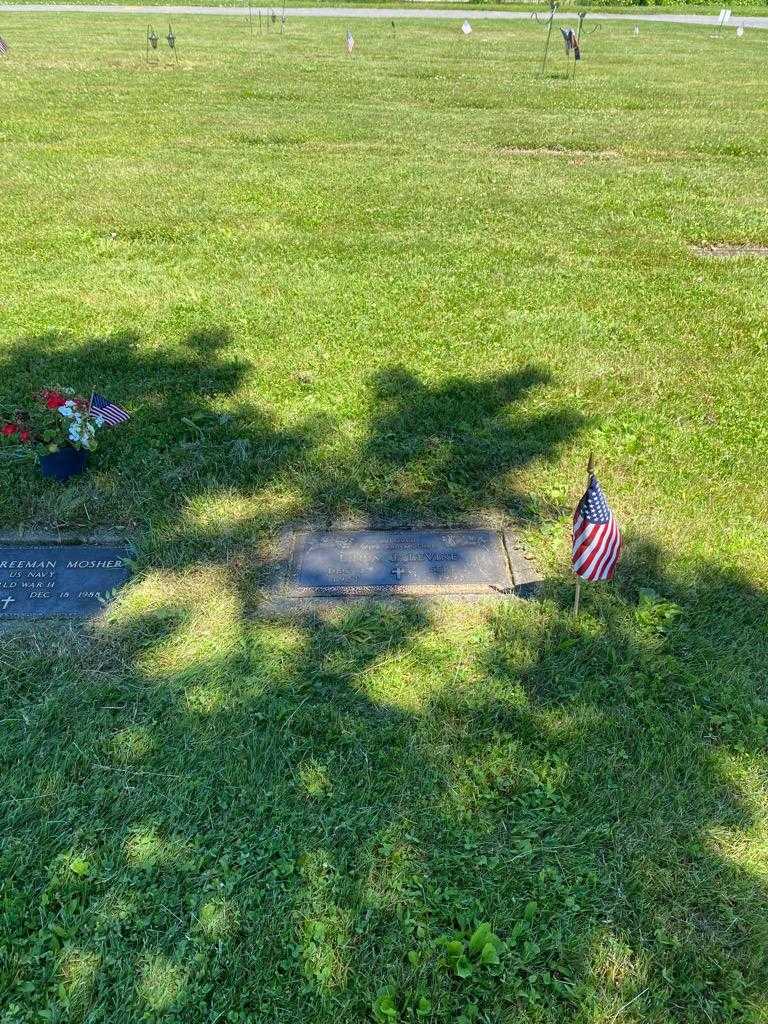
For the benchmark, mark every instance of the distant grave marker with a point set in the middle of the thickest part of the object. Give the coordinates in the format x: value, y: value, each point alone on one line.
x: 725, y: 251
x: 44, y: 581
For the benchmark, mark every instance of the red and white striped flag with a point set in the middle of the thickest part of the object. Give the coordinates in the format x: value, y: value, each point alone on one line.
x: 597, y: 541
x: 112, y: 414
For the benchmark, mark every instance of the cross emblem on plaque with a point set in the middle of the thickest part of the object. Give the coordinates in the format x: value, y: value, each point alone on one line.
x: 397, y: 572
x: 8, y: 600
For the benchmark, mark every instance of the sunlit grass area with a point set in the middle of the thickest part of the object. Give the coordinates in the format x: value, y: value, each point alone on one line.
x: 414, y: 286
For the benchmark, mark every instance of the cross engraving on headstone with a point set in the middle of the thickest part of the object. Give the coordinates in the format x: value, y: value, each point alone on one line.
x: 8, y: 600
x: 397, y: 572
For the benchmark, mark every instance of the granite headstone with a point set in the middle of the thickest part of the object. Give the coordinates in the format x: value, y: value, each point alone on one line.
x: 349, y: 562
x: 59, y: 580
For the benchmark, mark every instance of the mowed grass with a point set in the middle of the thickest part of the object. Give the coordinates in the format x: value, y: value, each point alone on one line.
x: 413, y: 286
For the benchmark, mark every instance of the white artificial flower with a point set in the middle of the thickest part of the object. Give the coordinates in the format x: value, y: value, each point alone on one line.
x: 68, y: 409
x: 99, y: 421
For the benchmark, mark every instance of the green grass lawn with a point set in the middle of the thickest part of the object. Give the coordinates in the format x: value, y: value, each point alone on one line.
x: 416, y: 286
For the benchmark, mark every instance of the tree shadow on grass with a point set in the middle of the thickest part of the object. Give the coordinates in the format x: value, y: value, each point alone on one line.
x: 444, y: 453
x: 273, y: 815
x: 306, y: 804
x: 189, y: 434
x: 199, y: 475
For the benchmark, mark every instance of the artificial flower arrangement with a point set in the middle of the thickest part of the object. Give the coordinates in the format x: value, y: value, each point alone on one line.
x: 59, y: 427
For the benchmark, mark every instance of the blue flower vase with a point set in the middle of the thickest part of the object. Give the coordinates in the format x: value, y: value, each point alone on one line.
x: 65, y: 463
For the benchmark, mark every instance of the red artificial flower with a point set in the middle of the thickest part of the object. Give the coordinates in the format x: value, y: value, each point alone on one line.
x: 9, y: 429
x: 24, y: 436
x: 53, y: 399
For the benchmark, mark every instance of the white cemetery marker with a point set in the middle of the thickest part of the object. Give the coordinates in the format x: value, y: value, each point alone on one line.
x: 740, y: 31
x: 637, y: 30
x: 466, y: 28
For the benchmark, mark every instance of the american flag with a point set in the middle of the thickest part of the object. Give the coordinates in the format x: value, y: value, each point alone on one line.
x: 571, y: 42
x: 112, y: 414
x: 597, y: 539
x: 350, y: 42
x: 3, y: 45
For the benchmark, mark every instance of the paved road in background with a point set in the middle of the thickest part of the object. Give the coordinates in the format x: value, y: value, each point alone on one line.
x: 367, y: 12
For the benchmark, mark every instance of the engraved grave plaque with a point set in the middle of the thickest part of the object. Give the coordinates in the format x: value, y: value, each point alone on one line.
x: 362, y: 562
x: 59, y: 580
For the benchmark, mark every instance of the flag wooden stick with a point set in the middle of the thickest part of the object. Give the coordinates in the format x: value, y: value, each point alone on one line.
x: 590, y: 474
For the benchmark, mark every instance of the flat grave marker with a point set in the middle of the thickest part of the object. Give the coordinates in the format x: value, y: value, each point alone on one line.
x: 47, y: 581
x: 359, y: 563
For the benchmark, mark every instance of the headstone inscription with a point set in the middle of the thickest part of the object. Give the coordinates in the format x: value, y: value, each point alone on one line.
x: 361, y: 562
x: 59, y: 580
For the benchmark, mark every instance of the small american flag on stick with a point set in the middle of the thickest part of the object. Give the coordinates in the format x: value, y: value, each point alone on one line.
x: 350, y: 42
x: 113, y: 415
x: 596, y: 536
x: 3, y: 46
